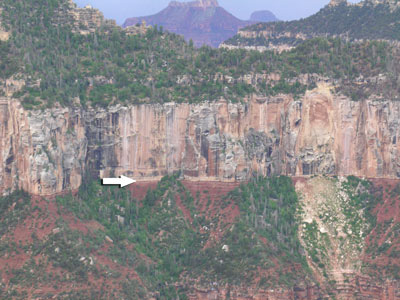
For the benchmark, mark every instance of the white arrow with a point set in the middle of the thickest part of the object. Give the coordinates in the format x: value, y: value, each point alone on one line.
x: 122, y: 182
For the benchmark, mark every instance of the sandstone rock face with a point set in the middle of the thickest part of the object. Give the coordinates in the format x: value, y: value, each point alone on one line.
x: 41, y: 152
x: 358, y: 288
x: 84, y: 20
x: 46, y: 152
x: 337, y: 2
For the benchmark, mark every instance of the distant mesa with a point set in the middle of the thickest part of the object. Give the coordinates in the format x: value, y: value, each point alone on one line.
x: 199, y: 3
x: 263, y: 16
x: 203, y: 21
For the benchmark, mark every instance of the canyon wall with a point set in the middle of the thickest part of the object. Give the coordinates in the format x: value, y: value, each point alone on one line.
x: 357, y: 288
x: 47, y: 152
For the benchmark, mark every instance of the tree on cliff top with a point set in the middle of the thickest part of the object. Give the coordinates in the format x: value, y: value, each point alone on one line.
x: 110, y: 66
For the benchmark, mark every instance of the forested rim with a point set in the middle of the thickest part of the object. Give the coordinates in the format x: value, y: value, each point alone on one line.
x: 109, y: 66
x: 366, y: 21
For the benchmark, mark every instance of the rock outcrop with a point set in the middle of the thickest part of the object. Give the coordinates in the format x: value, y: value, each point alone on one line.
x: 337, y: 2
x: 84, y: 20
x: 48, y: 152
x: 358, y: 288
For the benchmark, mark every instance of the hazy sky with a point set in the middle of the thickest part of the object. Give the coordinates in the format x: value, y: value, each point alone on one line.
x: 284, y: 9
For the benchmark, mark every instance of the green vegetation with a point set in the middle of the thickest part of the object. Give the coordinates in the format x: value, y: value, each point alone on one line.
x: 156, y: 228
x: 265, y: 231
x: 317, y: 242
x: 109, y: 66
x: 354, y: 22
x: 61, y: 257
x: 268, y: 206
x: 383, y: 242
x: 361, y: 197
x: 338, y: 216
x: 169, y: 241
x: 14, y: 208
x: 8, y: 63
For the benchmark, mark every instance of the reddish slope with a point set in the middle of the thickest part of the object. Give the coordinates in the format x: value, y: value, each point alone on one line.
x: 29, y: 270
x: 32, y: 246
x: 45, y: 223
x: 383, y: 254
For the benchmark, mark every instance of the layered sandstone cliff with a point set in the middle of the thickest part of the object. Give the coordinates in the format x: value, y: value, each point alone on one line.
x: 358, y: 288
x: 84, y: 20
x: 46, y: 152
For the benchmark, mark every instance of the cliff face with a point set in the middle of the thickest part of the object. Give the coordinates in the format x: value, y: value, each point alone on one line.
x: 46, y: 152
x: 84, y: 20
x: 41, y: 152
x: 361, y: 288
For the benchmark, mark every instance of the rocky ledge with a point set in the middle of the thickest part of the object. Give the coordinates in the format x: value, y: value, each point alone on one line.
x: 46, y: 152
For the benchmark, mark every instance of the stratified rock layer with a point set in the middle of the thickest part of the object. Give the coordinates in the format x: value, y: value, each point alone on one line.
x: 46, y: 152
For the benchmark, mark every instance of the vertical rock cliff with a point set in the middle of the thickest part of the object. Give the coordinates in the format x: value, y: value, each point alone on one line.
x: 41, y: 152
x: 46, y: 152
